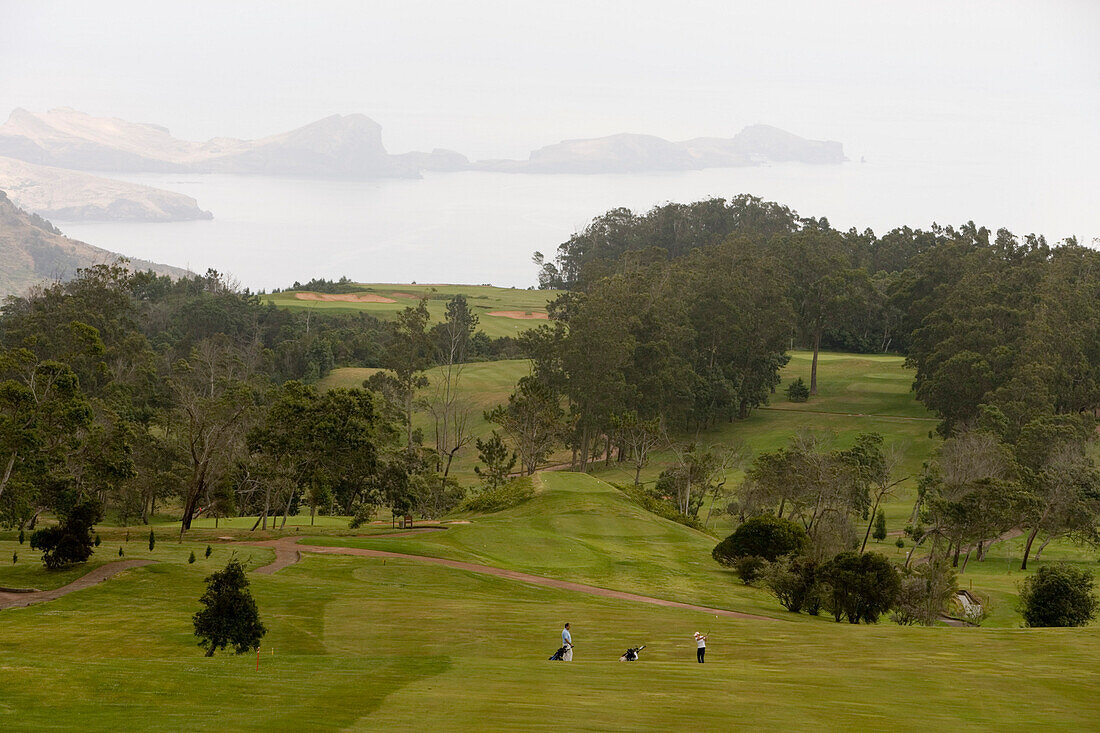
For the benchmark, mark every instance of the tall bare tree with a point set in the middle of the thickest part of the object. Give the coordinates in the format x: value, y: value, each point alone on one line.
x: 450, y: 412
x: 215, y: 392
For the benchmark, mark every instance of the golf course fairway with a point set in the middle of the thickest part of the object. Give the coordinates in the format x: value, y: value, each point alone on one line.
x: 394, y: 644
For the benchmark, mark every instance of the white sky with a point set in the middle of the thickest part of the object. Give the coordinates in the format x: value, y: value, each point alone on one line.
x: 908, y: 80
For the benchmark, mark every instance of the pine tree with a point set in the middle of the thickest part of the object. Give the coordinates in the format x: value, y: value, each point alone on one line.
x: 879, y: 532
x: 229, y: 616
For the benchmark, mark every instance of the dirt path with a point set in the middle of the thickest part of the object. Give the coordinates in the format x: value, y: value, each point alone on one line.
x: 286, y: 552
x: 288, y: 546
x: 18, y: 600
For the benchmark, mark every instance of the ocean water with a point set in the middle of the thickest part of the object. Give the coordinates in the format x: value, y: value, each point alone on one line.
x: 475, y: 227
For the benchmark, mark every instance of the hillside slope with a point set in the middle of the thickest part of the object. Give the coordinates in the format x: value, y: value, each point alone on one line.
x: 580, y: 528
x: 339, y: 146
x: 33, y: 251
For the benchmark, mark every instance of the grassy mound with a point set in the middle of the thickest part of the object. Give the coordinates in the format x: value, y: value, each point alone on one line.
x: 577, y: 527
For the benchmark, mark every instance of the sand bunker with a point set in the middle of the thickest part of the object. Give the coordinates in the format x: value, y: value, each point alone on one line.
x: 345, y: 297
x: 520, y: 315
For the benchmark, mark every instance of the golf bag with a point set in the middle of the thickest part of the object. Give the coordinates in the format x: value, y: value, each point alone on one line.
x: 631, y: 654
x: 559, y: 655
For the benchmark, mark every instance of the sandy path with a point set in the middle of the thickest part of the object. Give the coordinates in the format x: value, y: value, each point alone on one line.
x: 345, y: 297
x: 288, y: 545
x: 520, y: 315
x: 286, y: 554
x: 17, y: 600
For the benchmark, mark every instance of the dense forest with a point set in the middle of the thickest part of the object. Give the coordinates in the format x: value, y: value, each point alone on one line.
x: 985, y: 320
x: 139, y: 391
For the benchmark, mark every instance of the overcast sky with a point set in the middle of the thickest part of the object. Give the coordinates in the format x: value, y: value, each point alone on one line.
x: 491, y: 79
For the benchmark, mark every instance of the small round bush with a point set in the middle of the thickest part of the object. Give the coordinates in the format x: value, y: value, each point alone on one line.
x: 191, y: 559
x: 797, y: 391
x: 1058, y: 595
x: 860, y: 587
x: 208, y: 550
x: 765, y: 538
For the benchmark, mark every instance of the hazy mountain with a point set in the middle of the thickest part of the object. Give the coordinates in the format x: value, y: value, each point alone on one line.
x: 33, y: 251
x: 340, y: 146
x: 627, y: 153
x: 623, y: 153
x: 350, y: 146
x: 336, y: 147
x: 762, y: 144
x: 66, y: 195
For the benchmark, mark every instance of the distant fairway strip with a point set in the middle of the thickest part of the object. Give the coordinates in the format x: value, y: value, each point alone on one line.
x: 849, y: 414
x: 287, y: 548
x: 16, y: 600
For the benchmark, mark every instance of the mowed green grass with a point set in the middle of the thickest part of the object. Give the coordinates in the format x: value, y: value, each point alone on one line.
x: 580, y: 528
x: 857, y: 393
x: 482, y: 299
x: 365, y: 644
x: 482, y: 386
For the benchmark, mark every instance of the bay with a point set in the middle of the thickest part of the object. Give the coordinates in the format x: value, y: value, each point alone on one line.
x: 478, y: 227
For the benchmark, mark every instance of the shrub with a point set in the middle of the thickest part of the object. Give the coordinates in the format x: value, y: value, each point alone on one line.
x: 361, y: 516
x: 229, y: 616
x: 859, y: 587
x: 208, y: 550
x: 14, y: 557
x: 793, y: 581
x: 152, y: 540
x: 797, y: 391
x: 21, y: 536
x: 660, y: 507
x: 924, y: 592
x: 766, y: 538
x: 120, y: 552
x: 432, y: 496
x: 97, y: 540
x: 879, y: 531
x: 497, y: 462
x: 748, y: 567
x: 191, y: 559
x: 511, y: 494
x: 899, y: 543
x: 71, y: 540
x: 1058, y: 595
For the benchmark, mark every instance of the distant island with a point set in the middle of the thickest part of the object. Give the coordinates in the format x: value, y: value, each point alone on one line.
x: 67, y: 195
x: 350, y: 146
x: 39, y: 152
x: 626, y: 153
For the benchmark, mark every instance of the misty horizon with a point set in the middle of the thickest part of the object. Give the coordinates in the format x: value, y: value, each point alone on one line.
x: 496, y: 80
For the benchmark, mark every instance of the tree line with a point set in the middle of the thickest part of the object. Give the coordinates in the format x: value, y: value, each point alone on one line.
x: 127, y: 393
x: 683, y: 315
